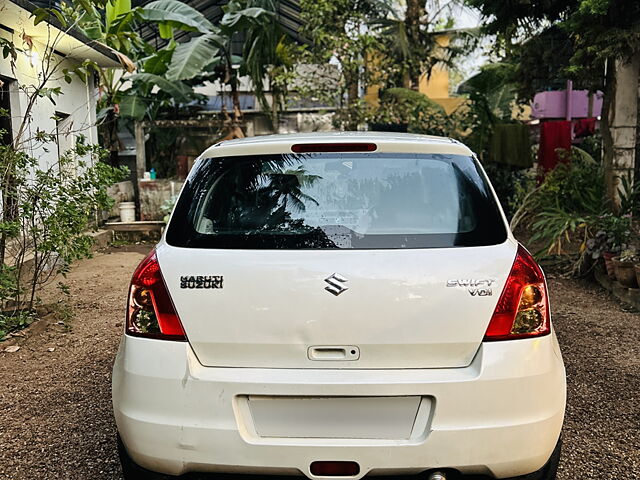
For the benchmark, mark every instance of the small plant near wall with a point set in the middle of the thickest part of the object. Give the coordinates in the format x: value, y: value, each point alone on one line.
x: 624, y: 267
x: 47, y: 206
x: 54, y: 209
x: 613, y: 233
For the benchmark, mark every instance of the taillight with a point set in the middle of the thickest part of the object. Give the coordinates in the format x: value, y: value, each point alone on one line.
x: 150, y: 311
x: 523, y: 308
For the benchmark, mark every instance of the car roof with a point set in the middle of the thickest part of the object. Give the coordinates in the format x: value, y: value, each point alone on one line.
x: 386, y: 142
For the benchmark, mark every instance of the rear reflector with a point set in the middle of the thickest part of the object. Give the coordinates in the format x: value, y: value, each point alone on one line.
x: 523, y: 308
x: 335, y: 469
x: 333, y: 147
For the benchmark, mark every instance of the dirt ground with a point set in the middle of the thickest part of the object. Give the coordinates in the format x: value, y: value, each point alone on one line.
x: 55, y: 406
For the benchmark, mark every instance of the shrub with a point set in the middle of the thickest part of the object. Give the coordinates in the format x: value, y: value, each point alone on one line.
x: 402, y: 106
x: 46, y: 215
x: 569, y: 205
x: 402, y: 109
x: 511, y: 185
x: 569, y: 195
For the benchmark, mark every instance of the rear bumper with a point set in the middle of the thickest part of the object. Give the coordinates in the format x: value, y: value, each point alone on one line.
x: 500, y: 416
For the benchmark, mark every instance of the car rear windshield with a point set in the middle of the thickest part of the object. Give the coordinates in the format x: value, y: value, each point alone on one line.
x: 336, y: 200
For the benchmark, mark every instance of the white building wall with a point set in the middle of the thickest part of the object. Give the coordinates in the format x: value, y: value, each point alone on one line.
x: 77, y: 99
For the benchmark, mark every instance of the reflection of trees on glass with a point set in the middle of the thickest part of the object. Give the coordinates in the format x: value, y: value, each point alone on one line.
x: 335, y: 201
x: 287, y: 187
x: 356, y: 191
x: 469, y: 194
x: 260, y: 196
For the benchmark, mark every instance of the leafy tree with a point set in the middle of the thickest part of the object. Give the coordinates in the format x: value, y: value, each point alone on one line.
x: 601, y: 33
x: 419, y: 39
x: 150, y: 91
x: 491, y: 99
x: 269, y: 54
x: 378, y: 43
x: 340, y: 31
x: 209, y: 55
x: 165, y: 77
x: 542, y: 62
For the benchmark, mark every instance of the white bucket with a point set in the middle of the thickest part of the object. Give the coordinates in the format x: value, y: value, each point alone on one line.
x: 127, y: 212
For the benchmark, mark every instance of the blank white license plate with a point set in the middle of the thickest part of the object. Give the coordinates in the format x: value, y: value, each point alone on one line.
x: 334, y: 417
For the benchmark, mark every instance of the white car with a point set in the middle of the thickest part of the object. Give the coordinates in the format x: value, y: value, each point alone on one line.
x: 338, y: 305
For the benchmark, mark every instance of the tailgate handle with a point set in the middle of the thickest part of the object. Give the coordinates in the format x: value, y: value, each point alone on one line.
x: 333, y: 352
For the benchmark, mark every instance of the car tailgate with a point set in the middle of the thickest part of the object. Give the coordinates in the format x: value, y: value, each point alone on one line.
x: 396, y: 308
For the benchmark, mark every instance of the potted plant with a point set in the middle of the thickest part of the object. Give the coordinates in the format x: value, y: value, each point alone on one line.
x: 624, y: 267
x: 602, y: 245
x: 608, y: 263
x: 612, y: 237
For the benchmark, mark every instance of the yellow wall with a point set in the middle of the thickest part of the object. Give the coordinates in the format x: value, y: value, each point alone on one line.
x: 372, y: 95
x: 437, y: 85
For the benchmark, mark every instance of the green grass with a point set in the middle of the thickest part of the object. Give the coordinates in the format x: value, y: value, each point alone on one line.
x: 15, y: 322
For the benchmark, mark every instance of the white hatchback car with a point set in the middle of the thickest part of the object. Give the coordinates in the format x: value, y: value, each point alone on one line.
x: 339, y: 305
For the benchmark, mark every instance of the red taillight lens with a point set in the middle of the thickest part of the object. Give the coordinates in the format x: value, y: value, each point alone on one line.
x: 150, y: 311
x: 333, y: 147
x: 523, y: 308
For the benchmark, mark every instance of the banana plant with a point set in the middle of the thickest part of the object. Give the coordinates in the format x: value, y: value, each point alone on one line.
x: 164, y: 76
x: 209, y: 54
x: 143, y: 95
x: 269, y: 54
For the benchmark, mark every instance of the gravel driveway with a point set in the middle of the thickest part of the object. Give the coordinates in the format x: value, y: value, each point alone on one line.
x: 55, y: 406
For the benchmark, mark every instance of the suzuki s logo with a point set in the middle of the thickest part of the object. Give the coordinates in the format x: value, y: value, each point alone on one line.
x: 336, y: 282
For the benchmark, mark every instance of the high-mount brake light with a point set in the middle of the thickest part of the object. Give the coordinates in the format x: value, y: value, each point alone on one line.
x: 523, y: 308
x: 333, y: 147
x: 150, y: 311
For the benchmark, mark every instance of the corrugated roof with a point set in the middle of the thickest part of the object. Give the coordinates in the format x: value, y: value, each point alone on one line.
x: 288, y: 16
x: 68, y: 45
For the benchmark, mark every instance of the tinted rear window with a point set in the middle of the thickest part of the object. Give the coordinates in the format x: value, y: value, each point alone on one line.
x: 334, y: 200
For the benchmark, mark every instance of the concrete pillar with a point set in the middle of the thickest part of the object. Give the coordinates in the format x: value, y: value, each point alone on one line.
x: 623, y: 119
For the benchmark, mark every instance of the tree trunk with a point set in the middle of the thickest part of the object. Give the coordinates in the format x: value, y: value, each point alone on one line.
x: 235, y: 96
x: 636, y: 176
x: 141, y: 164
x: 9, y: 196
x: 232, y: 80
x: 275, y: 110
x: 413, y: 21
x: 110, y: 139
x: 351, y: 78
x: 622, y: 116
x: 232, y: 125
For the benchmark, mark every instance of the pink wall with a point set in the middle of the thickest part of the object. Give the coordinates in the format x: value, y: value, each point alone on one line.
x: 553, y: 104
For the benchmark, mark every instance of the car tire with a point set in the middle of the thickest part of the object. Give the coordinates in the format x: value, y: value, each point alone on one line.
x: 550, y: 470
x: 133, y: 471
